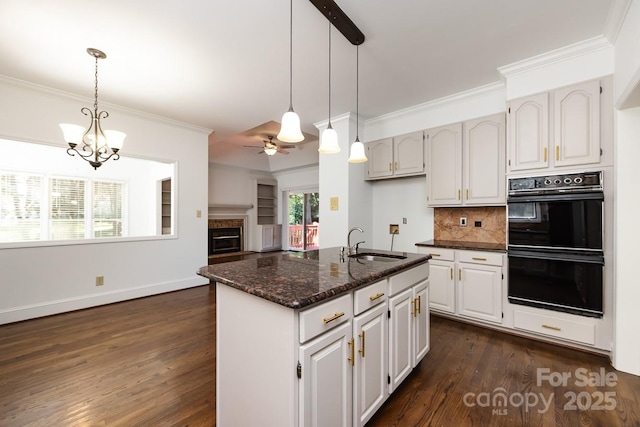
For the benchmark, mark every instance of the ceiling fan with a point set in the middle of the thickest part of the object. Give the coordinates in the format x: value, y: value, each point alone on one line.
x: 270, y: 148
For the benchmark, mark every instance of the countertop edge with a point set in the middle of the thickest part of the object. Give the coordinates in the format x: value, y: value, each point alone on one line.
x: 465, y: 246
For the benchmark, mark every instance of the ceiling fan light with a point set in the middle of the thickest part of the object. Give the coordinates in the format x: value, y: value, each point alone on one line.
x: 329, y: 141
x: 357, y: 153
x: 290, y: 128
x: 270, y: 151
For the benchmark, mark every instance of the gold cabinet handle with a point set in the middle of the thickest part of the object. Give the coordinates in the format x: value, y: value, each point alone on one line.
x: 478, y: 258
x: 361, y: 351
x: 434, y: 254
x: 459, y: 274
x: 332, y: 318
x: 557, y: 152
x: 458, y: 194
x: 413, y: 311
x: 396, y: 166
x: 351, y: 345
x: 418, y: 305
x: 376, y: 296
x: 390, y: 167
x: 467, y: 194
x: 451, y: 268
x: 555, y: 328
x: 545, y: 154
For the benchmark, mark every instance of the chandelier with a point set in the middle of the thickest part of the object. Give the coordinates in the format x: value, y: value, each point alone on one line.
x: 96, y: 146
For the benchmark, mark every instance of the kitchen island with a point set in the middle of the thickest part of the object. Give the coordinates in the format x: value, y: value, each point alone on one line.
x: 316, y: 338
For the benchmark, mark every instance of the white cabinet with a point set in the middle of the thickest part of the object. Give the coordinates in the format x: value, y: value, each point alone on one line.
x: 408, y: 329
x: 467, y: 163
x: 573, y: 121
x: 326, y: 386
x: 394, y: 157
x: 271, y: 237
x: 370, y: 332
x: 480, y: 286
x: 466, y: 283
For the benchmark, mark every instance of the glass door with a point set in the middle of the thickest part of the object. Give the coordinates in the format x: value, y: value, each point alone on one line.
x: 304, y: 221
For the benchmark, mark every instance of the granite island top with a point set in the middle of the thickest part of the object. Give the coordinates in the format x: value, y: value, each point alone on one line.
x: 299, y: 279
x: 458, y: 244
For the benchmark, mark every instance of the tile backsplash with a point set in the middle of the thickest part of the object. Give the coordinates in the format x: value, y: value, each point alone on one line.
x: 493, y: 221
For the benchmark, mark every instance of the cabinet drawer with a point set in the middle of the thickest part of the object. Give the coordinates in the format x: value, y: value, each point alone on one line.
x: 439, y: 253
x: 324, y: 317
x: 489, y: 258
x: 372, y: 295
x: 402, y: 281
x: 555, y: 326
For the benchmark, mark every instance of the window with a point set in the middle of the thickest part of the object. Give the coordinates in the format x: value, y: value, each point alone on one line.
x: 23, y: 197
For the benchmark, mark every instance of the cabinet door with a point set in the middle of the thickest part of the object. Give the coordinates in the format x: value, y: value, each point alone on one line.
x: 442, y: 294
x: 420, y: 321
x: 400, y: 337
x: 529, y: 132
x: 480, y: 291
x: 380, y: 154
x: 444, y: 180
x: 370, y: 389
x: 577, y: 124
x: 484, y: 161
x: 277, y: 236
x: 267, y: 237
x: 408, y: 154
x: 326, y: 384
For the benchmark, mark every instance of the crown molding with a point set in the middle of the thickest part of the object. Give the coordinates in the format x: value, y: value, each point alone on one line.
x: 45, y: 90
x: 558, y: 55
x: 615, y: 19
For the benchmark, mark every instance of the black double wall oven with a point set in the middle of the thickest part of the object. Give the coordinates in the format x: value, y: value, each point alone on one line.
x: 555, y: 250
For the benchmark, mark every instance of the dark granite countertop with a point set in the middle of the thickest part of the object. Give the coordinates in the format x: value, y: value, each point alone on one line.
x: 472, y: 246
x: 299, y: 279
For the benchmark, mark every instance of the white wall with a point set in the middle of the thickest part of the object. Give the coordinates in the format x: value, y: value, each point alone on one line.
x: 45, y: 280
x: 627, y: 56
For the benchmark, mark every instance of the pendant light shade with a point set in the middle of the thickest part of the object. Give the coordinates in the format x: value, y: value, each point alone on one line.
x: 329, y: 140
x: 290, y: 124
x: 357, y: 148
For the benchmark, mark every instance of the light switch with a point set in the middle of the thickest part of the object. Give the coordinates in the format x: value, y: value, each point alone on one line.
x: 198, y: 213
x: 333, y: 203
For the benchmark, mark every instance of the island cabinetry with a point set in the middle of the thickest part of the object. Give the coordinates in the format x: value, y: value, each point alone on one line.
x: 574, y: 121
x: 408, y: 324
x: 395, y: 157
x: 467, y: 163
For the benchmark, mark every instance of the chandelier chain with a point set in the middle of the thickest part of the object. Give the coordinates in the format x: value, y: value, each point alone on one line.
x: 95, y: 102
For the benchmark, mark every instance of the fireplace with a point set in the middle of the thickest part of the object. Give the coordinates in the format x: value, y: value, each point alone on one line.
x: 225, y: 236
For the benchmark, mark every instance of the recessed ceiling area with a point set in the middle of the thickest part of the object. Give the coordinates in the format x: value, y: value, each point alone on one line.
x: 225, y: 65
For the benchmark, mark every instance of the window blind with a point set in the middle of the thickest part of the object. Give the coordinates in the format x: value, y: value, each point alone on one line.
x: 20, y: 206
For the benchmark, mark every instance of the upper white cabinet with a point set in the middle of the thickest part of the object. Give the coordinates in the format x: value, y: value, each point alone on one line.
x: 394, y: 157
x: 573, y: 121
x: 467, y: 163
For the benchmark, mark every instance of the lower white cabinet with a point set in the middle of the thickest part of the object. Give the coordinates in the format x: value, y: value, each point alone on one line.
x: 326, y: 365
x: 326, y: 386
x: 466, y: 283
x: 271, y: 237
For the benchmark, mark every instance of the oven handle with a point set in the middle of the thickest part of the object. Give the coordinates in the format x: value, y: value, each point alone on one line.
x: 561, y: 196
x: 557, y: 256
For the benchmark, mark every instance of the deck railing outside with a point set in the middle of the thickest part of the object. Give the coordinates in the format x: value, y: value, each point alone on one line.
x: 295, y: 237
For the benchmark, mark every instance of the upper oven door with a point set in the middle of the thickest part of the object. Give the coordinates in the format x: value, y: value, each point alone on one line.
x: 556, y: 221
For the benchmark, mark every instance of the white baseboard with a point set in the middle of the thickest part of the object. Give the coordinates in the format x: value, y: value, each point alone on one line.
x: 48, y: 308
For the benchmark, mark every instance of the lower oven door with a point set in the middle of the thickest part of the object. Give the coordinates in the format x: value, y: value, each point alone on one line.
x: 561, y: 281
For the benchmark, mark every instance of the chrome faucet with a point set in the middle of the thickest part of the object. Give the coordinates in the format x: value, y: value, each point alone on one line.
x: 353, y: 249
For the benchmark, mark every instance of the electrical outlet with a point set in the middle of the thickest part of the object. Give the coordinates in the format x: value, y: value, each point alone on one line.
x: 404, y: 220
x: 463, y: 221
x: 478, y: 224
x: 394, y: 229
x: 99, y: 280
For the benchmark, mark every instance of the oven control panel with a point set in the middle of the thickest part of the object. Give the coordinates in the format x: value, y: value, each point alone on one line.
x: 568, y: 182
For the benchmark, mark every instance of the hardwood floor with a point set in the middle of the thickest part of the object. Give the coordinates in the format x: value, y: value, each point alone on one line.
x: 151, y: 362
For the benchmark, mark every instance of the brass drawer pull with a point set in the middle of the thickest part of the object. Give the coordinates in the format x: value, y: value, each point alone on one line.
x: 459, y: 274
x: 352, y: 345
x: 555, y: 328
x: 467, y: 194
x: 434, y: 254
x: 390, y: 167
x: 334, y: 317
x: 451, y: 268
x: 418, y: 305
x: 478, y: 258
x: 376, y: 296
x: 557, y: 152
x: 458, y: 194
x: 362, y: 339
x: 545, y: 154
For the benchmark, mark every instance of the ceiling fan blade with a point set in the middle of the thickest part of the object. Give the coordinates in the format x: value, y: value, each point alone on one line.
x: 281, y: 151
x: 252, y: 146
x: 260, y: 152
x: 286, y: 146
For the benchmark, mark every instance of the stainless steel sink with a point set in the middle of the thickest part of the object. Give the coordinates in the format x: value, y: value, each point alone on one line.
x: 374, y: 256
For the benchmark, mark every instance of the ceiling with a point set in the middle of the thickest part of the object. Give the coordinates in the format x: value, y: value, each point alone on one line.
x: 224, y: 65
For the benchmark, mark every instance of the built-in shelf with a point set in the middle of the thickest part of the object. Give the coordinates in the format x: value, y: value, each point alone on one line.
x: 267, y: 203
x: 165, y: 206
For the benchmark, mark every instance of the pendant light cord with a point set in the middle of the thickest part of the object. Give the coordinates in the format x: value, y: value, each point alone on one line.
x: 291, y: 55
x: 329, y: 126
x: 357, y: 91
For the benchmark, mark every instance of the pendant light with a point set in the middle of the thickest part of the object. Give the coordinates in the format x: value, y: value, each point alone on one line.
x: 357, y: 148
x: 290, y: 127
x: 329, y: 139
